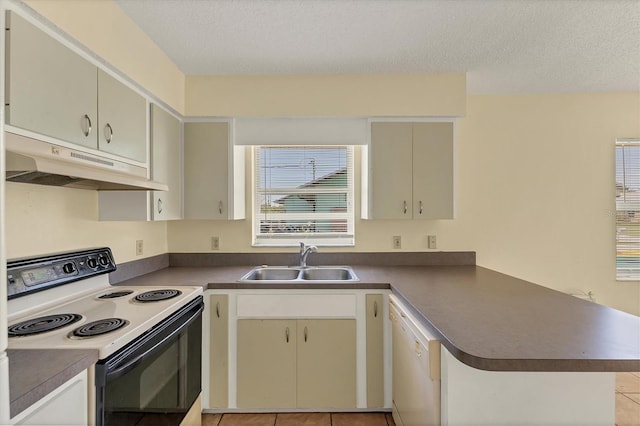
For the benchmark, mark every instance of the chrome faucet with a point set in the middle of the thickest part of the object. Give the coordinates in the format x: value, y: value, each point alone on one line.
x: 305, y: 250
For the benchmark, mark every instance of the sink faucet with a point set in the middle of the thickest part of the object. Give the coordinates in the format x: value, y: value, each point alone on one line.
x: 305, y: 250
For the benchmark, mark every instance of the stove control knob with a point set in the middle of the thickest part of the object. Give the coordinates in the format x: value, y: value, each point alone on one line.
x: 92, y: 262
x: 69, y: 268
x: 104, y: 261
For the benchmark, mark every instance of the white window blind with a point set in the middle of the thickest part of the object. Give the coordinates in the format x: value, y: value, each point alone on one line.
x: 628, y: 210
x: 303, y: 193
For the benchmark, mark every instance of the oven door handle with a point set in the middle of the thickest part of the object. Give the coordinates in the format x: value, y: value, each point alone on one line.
x: 117, y: 372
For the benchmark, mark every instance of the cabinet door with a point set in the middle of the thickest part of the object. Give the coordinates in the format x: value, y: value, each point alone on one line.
x: 433, y: 171
x: 266, y: 364
x: 166, y: 166
x: 122, y: 119
x: 50, y: 89
x: 326, y: 366
x: 206, y: 177
x: 390, y: 171
x: 219, y: 351
x: 66, y: 405
x: 375, y: 363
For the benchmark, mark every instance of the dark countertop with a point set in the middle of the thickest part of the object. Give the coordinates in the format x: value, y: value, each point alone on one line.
x: 35, y: 373
x: 487, y: 320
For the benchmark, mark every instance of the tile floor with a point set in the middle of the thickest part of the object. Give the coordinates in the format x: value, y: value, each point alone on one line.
x: 299, y: 419
x: 628, y: 399
x: 627, y: 412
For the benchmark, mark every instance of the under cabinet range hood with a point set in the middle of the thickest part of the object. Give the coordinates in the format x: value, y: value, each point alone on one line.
x: 34, y: 161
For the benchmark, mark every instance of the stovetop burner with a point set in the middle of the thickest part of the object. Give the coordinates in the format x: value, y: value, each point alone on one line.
x: 115, y: 294
x: 99, y: 327
x: 157, y: 295
x: 42, y: 324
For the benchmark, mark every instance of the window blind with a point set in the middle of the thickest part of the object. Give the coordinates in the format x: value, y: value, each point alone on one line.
x: 303, y: 193
x: 628, y: 210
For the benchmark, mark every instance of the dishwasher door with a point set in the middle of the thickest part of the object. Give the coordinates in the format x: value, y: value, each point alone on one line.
x: 416, y: 370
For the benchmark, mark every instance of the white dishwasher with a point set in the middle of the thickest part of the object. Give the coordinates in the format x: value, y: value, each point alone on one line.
x: 416, y: 369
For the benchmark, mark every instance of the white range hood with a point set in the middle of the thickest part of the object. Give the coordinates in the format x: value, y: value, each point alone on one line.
x: 34, y: 161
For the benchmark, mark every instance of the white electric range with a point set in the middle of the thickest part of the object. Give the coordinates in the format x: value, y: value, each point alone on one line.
x: 148, y: 338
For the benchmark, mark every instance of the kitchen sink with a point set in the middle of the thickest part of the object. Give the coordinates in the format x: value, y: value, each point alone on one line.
x: 300, y: 275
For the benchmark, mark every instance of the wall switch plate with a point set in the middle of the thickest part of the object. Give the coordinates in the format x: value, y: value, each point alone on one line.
x: 431, y: 242
x: 139, y: 247
x: 215, y: 243
x: 397, y: 242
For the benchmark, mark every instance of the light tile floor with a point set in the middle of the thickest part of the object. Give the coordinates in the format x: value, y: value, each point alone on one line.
x: 627, y: 412
x: 628, y: 399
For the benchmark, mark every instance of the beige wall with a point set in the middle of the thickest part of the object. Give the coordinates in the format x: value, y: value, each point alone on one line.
x: 534, y: 195
x: 42, y: 219
x: 327, y: 95
x: 104, y: 29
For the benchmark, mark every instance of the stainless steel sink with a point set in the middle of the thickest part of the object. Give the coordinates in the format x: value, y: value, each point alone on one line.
x: 284, y: 274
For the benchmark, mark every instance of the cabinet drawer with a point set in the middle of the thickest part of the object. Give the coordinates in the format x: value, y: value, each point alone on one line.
x: 296, y: 306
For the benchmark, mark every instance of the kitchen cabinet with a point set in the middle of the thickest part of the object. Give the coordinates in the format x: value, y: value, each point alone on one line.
x: 416, y: 371
x: 214, y: 171
x: 66, y: 405
x: 375, y: 350
x: 409, y: 171
x: 122, y: 119
x: 55, y: 92
x: 258, y: 356
x: 305, y: 363
x: 166, y: 163
x: 218, y: 351
x: 166, y: 167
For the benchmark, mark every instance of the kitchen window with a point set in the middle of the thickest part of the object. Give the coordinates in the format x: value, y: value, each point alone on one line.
x: 628, y: 210
x: 303, y: 193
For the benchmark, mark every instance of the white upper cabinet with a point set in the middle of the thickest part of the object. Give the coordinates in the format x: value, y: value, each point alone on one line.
x: 166, y: 167
x: 408, y: 171
x: 53, y: 91
x: 213, y: 172
x: 122, y: 119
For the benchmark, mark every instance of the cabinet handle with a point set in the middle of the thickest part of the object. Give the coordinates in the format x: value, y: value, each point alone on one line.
x: 286, y: 334
x: 218, y: 309
x: 87, y: 119
x: 375, y: 309
x: 220, y: 206
x: 420, y: 206
x: 306, y: 334
x: 405, y: 206
x: 418, y: 349
x: 108, y: 136
x: 159, y: 205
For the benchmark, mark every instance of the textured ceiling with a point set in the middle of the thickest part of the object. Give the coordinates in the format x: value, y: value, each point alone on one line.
x: 505, y: 46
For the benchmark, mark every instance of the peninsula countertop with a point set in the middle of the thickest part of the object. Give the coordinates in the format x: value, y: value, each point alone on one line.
x: 486, y: 319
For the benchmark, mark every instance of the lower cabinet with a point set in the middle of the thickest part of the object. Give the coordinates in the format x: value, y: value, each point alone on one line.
x: 296, y: 350
x: 66, y: 405
x: 306, y: 363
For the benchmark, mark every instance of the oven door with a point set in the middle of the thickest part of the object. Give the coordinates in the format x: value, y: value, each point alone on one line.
x: 156, y: 378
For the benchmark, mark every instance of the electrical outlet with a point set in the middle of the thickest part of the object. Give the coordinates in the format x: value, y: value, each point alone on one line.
x: 397, y: 242
x: 215, y: 243
x: 431, y: 242
x: 139, y: 247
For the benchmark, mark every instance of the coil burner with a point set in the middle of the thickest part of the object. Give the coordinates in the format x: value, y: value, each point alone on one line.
x: 97, y: 328
x: 115, y: 294
x: 42, y: 324
x: 157, y: 295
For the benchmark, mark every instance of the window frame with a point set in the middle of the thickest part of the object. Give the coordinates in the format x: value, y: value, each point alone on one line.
x: 627, y: 270
x: 326, y: 239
